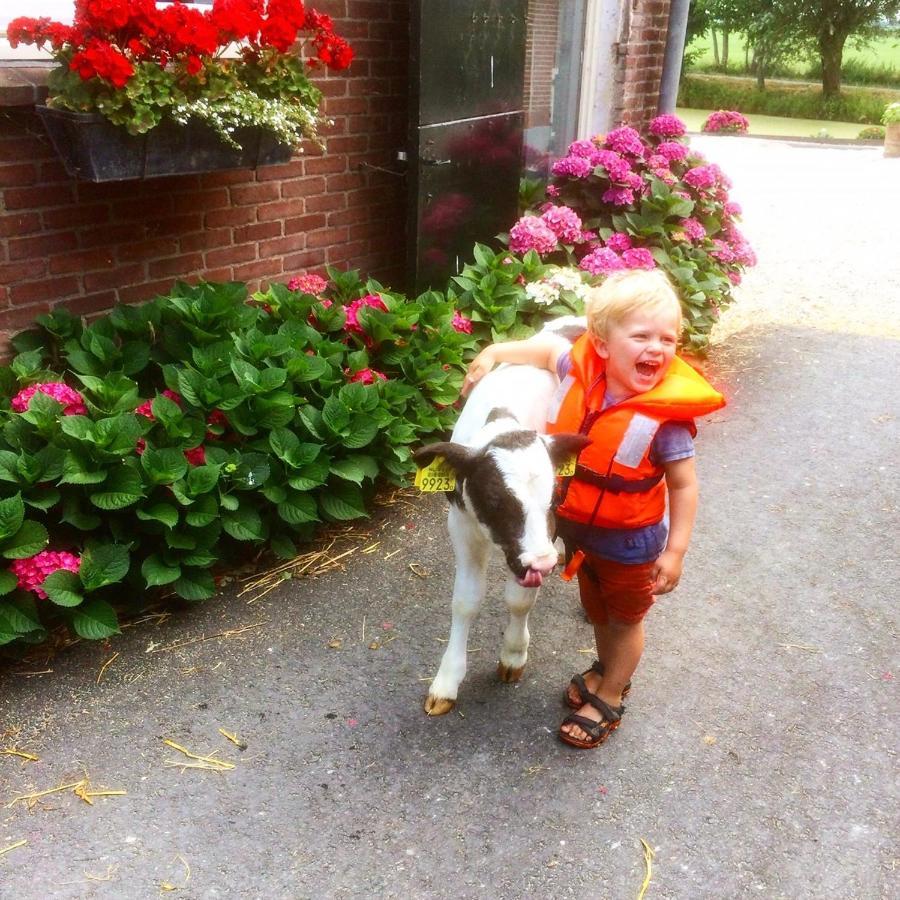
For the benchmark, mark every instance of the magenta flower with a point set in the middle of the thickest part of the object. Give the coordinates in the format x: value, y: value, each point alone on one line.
x: 601, y: 261
x: 693, y: 229
x: 308, y: 284
x: 733, y: 209
x: 722, y: 252
x: 71, y: 400
x: 618, y: 196
x: 619, y: 241
x: 672, y: 151
x: 657, y: 161
x: 460, y: 323
x: 726, y: 121
x: 196, y: 456
x: 617, y: 167
x: 531, y: 233
x: 564, y: 223
x: 30, y: 573
x: 638, y: 258
x: 140, y: 446
x: 702, y: 177
x: 368, y: 376
x: 352, y: 310
x: 584, y: 148
x: 552, y: 191
x: 625, y: 140
x: 146, y: 409
x: 734, y: 278
x: 667, y: 126
x: 574, y: 166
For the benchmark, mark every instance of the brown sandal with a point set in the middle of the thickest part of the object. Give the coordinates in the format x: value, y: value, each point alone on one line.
x: 598, y: 732
x: 581, y: 687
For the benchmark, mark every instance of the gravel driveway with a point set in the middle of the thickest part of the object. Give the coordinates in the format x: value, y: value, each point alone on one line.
x: 758, y: 755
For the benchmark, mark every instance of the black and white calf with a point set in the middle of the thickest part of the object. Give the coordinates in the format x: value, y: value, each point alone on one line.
x: 505, y: 470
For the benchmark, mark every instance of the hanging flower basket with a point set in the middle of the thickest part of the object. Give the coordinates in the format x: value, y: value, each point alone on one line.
x: 142, y: 91
x: 93, y: 149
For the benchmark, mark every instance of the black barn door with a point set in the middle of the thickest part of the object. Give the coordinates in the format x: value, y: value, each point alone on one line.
x: 465, y: 157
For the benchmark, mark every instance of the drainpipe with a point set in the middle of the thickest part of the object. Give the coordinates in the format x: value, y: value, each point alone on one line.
x: 671, y: 75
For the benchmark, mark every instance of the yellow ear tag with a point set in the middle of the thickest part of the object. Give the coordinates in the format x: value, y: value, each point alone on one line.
x: 567, y: 469
x: 436, y: 476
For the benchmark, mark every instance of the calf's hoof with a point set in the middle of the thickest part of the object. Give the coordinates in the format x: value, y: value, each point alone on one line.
x: 509, y: 674
x: 438, y: 706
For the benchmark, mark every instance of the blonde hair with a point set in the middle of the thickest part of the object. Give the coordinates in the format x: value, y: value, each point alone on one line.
x: 625, y: 291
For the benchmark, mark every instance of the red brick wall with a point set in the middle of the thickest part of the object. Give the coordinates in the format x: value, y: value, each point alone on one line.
x: 540, y: 60
x: 89, y: 246
x: 644, y: 61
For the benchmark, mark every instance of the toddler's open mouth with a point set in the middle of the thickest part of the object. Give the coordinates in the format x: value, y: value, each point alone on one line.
x: 647, y: 369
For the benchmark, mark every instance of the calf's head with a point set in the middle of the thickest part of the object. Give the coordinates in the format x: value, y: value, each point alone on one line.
x: 507, y: 484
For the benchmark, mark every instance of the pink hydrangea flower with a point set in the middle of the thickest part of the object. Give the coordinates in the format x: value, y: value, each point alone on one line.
x: 722, y: 252
x: 733, y: 209
x: 672, y: 151
x: 734, y: 278
x: 638, y: 258
x: 617, y: 167
x: 585, y: 148
x: 71, y: 400
x: 146, y: 409
x: 552, y: 191
x: 625, y: 140
x: 702, y: 177
x: 531, y: 233
x: 308, y: 284
x: 618, y: 196
x: 573, y: 166
x: 30, y: 573
x: 657, y: 161
x: 460, y: 323
x: 601, y: 261
x: 667, y: 126
x: 693, y: 229
x: 564, y: 223
x: 665, y: 176
x: 140, y: 446
x: 619, y: 241
x: 368, y: 376
x: 352, y: 310
x: 196, y: 456
x: 586, y: 236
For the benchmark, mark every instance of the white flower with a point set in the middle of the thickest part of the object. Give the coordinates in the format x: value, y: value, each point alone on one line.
x: 542, y: 293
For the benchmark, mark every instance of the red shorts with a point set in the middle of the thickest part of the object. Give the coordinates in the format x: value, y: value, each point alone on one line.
x: 613, y: 590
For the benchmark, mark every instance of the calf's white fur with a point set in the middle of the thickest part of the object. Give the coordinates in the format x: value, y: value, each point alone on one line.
x: 505, y: 467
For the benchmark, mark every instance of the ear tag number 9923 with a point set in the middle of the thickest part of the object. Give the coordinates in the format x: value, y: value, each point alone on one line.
x: 567, y: 469
x: 436, y: 476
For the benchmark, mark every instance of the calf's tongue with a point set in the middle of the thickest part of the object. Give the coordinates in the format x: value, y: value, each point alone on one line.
x: 532, y: 578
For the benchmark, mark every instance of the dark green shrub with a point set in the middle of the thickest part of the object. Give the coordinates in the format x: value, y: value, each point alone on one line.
x: 709, y: 93
x: 871, y: 133
x: 204, y: 422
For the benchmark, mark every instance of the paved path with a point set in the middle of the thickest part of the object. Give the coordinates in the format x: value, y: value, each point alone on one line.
x: 758, y: 754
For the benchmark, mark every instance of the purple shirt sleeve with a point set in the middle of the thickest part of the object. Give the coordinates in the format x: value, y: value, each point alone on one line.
x: 673, y: 441
x: 563, y: 364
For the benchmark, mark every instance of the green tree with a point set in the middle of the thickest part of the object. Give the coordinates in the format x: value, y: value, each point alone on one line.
x: 828, y: 23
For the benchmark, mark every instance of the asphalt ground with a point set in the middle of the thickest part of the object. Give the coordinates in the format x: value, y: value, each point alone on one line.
x: 757, y: 757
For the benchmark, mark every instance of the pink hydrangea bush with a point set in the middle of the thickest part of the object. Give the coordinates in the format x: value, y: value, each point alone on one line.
x: 309, y: 283
x: 72, y: 402
x: 643, y: 202
x: 726, y: 121
x: 32, y: 572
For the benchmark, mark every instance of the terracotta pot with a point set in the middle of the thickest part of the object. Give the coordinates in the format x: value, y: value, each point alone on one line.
x: 892, y: 139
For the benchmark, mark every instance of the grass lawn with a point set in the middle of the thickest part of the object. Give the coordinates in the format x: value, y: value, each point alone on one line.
x: 761, y: 126
x: 884, y: 52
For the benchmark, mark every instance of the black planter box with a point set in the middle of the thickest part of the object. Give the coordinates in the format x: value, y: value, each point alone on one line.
x: 94, y: 149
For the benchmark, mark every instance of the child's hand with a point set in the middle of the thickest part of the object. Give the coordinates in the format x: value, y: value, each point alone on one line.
x: 478, y: 368
x: 667, y: 571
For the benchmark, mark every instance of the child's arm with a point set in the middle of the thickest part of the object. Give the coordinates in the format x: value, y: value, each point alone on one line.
x: 541, y: 350
x: 681, y: 482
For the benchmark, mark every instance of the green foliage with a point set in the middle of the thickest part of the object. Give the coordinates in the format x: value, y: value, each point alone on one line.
x: 214, y: 421
x: 871, y: 133
x: 708, y: 93
x: 891, y: 114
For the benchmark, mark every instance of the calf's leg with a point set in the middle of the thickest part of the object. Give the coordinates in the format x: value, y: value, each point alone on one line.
x: 514, y: 653
x: 472, y: 552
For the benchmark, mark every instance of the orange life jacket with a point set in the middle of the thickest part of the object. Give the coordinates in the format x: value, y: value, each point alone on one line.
x: 615, y: 484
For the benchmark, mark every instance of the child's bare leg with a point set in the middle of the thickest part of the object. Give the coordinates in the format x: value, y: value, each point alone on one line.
x: 619, y: 648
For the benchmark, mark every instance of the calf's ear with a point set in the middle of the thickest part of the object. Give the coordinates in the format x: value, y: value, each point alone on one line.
x: 562, y: 446
x: 458, y: 456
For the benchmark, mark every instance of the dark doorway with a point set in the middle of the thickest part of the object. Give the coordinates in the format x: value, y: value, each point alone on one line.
x: 467, y: 117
